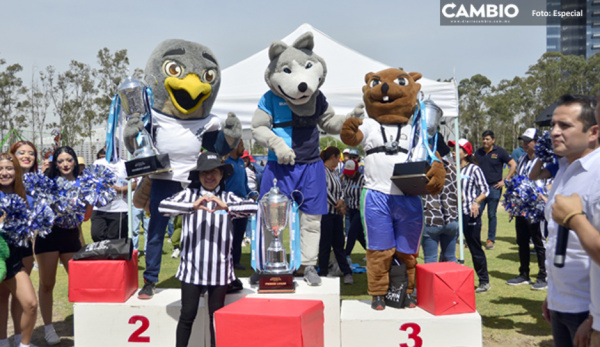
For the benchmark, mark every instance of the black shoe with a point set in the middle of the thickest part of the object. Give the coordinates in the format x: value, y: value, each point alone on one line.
x: 517, y: 281
x: 147, y: 291
x: 254, y: 278
x: 239, y: 267
x: 378, y: 303
x: 235, y: 286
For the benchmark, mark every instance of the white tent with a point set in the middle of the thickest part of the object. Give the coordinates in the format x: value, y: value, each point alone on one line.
x: 243, y: 83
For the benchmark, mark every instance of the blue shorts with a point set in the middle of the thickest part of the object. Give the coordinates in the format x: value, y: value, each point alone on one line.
x: 309, y: 179
x: 392, y: 221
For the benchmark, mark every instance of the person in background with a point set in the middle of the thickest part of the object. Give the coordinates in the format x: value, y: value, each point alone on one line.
x: 26, y: 154
x: 352, y: 183
x: 206, y: 263
x: 332, y: 225
x: 110, y: 222
x: 518, y: 153
x: 491, y: 159
x: 474, y: 191
x: 441, y: 215
x: 140, y: 221
x: 17, y: 280
x: 238, y: 184
x: 571, y: 293
x: 81, y: 162
x: 525, y: 228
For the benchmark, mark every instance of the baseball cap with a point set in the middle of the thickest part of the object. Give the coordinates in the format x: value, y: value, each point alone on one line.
x: 247, y: 155
x: 350, y: 167
x: 353, y: 151
x: 346, y: 151
x: 464, y: 144
x: 529, y: 135
x: 80, y: 160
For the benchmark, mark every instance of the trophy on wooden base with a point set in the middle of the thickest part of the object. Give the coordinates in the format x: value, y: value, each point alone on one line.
x: 411, y: 176
x: 277, y: 276
x: 146, y: 159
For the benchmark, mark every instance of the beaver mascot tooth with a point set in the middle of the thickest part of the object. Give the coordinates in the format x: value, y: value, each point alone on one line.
x: 393, y: 221
x: 187, y: 78
x: 286, y: 123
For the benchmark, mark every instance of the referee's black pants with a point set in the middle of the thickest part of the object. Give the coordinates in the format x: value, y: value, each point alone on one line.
x: 190, y: 298
x: 472, y: 232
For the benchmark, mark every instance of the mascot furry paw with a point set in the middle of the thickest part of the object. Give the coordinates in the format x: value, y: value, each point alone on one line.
x: 394, y: 221
x: 286, y: 123
x: 187, y: 79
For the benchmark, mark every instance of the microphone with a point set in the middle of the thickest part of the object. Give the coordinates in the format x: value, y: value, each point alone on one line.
x: 561, y: 246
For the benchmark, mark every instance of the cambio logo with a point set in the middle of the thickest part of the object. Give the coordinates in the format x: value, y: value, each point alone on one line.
x: 480, y: 11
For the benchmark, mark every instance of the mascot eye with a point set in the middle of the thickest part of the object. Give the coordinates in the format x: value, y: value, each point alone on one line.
x: 209, y: 75
x: 403, y: 81
x: 172, y: 68
x: 374, y: 83
x: 308, y: 65
x: 287, y: 70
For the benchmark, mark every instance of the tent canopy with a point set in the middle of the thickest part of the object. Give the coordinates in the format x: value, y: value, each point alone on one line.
x: 243, y: 83
x: 545, y: 117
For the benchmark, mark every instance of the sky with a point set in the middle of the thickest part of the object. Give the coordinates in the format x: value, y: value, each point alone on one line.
x: 401, y: 33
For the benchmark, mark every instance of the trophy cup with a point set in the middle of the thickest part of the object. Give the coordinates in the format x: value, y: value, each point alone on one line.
x: 410, y: 176
x: 276, y: 275
x: 146, y: 159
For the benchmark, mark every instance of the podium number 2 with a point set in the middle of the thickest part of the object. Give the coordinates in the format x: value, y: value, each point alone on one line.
x: 413, y: 335
x: 135, y: 337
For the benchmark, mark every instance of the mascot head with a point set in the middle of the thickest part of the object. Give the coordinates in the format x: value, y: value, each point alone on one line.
x: 296, y: 73
x: 187, y: 76
x: 390, y: 95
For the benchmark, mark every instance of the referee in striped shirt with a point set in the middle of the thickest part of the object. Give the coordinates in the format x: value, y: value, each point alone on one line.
x: 474, y: 191
x: 206, y: 239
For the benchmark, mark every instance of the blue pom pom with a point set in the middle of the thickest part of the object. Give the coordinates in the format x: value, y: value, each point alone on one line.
x: 543, y: 148
x: 96, y: 182
x: 18, y: 219
x: 522, y: 198
x: 68, y: 206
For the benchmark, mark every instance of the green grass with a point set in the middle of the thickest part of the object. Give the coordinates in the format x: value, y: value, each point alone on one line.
x: 511, y: 315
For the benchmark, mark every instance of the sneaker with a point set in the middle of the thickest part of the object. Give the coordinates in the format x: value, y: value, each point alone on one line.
x: 169, y: 240
x: 348, y: 279
x: 483, y: 287
x: 378, y: 303
x: 518, y: 281
x: 255, y: 278
x: 176, y: 253
x: 4, y: 343
x: 246, y: 241
x: 489, y: 244
x: 311, y: 277
x: 51, y: 336
x: 235, y: 286
x: 411, y: 300
x: 147, y: 292
x: 239, y: 267
x: 539, y: 285
x: 17, y: 340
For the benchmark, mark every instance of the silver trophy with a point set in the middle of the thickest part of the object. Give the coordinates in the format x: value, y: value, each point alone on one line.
x: 276, y: 275
x: 411, y: 177
x: 146, y: 159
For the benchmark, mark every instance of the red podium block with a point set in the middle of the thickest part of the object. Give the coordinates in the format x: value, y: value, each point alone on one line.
x: 103, y: 280
x: 270, y: 322
x: 445, y: 288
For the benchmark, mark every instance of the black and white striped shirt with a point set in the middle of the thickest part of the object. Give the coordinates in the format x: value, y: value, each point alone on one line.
x: 206, y: 238
x: 473, y: 184
x: 524, y: 167
x: 353, y: 189
x: 334, y: 191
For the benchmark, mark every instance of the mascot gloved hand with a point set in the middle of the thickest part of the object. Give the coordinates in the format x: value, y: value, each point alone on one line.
x: 186, y: 78
x: 286, y: 123
x: 393, y: 221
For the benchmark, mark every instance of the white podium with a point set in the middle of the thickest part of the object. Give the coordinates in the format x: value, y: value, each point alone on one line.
x: 362, y: 326
x: 150, y: 323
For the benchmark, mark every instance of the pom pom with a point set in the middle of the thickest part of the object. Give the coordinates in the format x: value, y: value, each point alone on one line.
x: 68, y: 206
x: 96, y: 182
x: 39, y: 186
x: 522, y: 198
x: 16, y: 227
x: 42, y: 218
x: 543, y: 149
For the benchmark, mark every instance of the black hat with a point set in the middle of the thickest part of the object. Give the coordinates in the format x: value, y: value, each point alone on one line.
x: 208, y: 161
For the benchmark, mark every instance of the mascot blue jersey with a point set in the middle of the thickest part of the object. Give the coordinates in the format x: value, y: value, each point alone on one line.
x: 299, y: 132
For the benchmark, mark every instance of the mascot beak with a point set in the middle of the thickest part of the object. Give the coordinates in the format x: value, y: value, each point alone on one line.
x: 188, y: 93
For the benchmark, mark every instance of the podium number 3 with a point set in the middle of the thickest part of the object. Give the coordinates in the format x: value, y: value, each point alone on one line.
x: 413, y: 335
x: 135, y: 337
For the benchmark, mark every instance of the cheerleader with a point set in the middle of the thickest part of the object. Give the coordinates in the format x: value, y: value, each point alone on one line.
x: 17, y: 280
x: 61, y: 244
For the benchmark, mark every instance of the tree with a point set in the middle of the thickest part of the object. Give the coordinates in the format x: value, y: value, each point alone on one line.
x: 11, y: 95
x: 473, y: 110
x: 36, y: 108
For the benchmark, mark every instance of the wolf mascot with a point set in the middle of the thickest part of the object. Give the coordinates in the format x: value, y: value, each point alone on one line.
x: 393, y: 221
x: 286, y: 123
x: 188, y: 79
